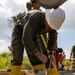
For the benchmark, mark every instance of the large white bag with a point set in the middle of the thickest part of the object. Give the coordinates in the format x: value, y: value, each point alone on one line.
x: 48, y: 4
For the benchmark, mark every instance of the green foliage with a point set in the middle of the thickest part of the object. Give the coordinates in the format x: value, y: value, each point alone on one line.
x: 26, y: 63
x: 5, y: 55
x: 5, y: 61
x: 17, y: 18
x: 67, y: 64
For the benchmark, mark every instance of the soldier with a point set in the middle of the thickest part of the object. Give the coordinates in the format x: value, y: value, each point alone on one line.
x: 38, y: 22
x: 72, y: 56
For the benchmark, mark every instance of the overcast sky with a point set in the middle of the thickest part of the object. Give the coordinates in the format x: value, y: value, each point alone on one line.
x: 66, y: 35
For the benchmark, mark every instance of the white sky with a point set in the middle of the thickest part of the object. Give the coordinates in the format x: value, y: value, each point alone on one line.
x: 66, y: 35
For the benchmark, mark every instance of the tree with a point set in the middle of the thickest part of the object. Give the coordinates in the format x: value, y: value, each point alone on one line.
x: 18, y: 18
x: 15, y: 20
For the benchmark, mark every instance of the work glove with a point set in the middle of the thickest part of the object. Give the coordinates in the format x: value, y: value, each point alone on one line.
x: 41, y: 57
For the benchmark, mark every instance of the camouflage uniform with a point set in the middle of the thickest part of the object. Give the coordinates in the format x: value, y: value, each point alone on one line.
x: 28, y: 32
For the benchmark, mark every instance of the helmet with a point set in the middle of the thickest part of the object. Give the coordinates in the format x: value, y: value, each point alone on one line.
x: 55, y: 18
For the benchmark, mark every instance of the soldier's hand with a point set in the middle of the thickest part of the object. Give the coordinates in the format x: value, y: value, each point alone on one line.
x: 41, y: 57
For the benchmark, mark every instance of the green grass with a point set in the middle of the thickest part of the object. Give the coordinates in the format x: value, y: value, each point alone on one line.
x: 67, y: 64
x: 5, y: 59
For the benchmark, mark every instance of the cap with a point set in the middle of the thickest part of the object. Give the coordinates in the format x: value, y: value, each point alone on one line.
x: 55, y: 18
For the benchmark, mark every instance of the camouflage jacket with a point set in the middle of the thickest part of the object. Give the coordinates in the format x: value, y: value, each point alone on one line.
x: 30, y: 28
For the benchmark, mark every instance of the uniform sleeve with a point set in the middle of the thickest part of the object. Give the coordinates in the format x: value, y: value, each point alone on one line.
x: 52, y: 40
x: 28, y: 35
